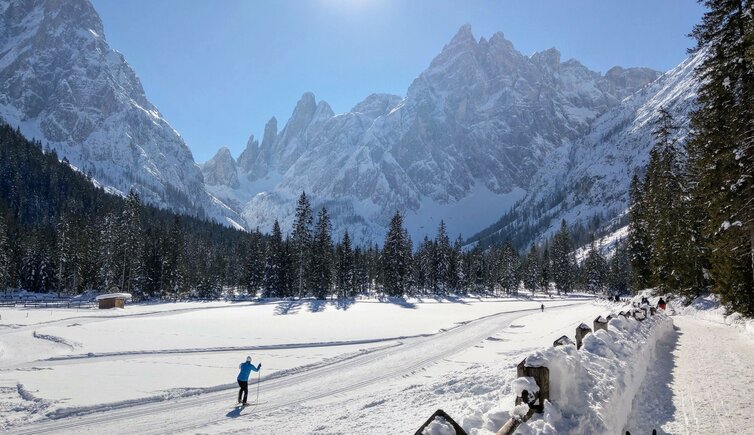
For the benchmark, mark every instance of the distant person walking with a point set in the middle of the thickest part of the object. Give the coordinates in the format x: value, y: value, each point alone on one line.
x: 243, y: 378
x: 543, y: 308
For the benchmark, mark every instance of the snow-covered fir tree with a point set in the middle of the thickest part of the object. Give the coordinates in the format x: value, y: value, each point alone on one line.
x: 531, y: 269
x: 562, y: 262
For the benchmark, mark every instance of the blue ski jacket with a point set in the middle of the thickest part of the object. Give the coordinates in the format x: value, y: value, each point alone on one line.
x: 246, y: 369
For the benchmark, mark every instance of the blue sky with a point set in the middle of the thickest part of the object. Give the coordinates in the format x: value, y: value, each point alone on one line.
x: 218, y: 70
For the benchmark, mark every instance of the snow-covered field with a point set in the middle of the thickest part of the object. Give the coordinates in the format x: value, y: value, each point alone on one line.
x: 365, y: 367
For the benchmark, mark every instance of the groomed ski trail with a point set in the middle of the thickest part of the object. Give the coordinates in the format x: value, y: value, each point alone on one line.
x: 193, y: 414
x: 699, y: 383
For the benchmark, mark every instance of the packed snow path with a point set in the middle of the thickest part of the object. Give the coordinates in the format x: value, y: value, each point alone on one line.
x: 200, y: 413
x: 700, y: 383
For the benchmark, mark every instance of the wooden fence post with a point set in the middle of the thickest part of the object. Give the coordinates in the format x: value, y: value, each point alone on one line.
x: 542, y: 377
x: 562, y: 341
x: 581, y: 331
x: 600, y: 323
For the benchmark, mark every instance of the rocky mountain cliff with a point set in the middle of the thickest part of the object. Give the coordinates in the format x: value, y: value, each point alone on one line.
x: 463, y: 145
x: 61, y: 83
x: 587, y: 181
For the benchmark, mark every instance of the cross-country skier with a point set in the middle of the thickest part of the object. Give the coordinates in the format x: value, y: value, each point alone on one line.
x: 243, y: 378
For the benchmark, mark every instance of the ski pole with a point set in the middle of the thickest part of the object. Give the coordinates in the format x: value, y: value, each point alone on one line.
x: 259, y: 375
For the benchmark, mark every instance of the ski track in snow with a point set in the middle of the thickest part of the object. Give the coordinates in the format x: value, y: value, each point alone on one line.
x: 85, y: 319
x: 699, y: 383
x: 199, y: 412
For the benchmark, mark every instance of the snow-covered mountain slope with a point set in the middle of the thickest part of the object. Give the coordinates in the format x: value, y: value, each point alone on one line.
x: 462, y: 145
x: 588, y: 180
x: 62, y: 84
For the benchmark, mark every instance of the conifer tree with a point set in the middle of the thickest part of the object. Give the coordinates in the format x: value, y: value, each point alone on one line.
x: 346, y: 274
x: 619, y: 266
x: 301, y: 240
x: 65, y: 250
x: 394, y: 262
x: 544, y: 270
x: 321, y: 262
x: 275, y: 266
x: 563, y: 263
x: 423, y: 261
x: 721, y: 149
x: 595, y: 270
x: 441, y: 259
x: 106, y: 261
x: 4, y: 257
x: 531, y: 269
x: 174, y: 263
x: 131, y: 246
x: 254, y: 263
x: 639, y: 250
x: 664, y: 193
x: 456, y: 275
x: 508, y: 277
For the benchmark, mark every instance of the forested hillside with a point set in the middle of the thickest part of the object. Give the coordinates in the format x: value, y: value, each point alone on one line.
x: 60, y: 233
x: 692, y: 215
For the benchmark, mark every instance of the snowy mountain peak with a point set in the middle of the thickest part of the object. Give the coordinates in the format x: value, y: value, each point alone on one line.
x: 464, y: 35
x: 586, y: 182
x: 60, y: 82
x: 549, y: 59
x: 376, y: 105
x: 221, y: 169
x: 249, y: 154
x: 469, y: 135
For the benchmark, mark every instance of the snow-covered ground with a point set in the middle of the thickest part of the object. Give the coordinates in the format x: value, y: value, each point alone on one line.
x: 699, y: 381
x: 365, y: 367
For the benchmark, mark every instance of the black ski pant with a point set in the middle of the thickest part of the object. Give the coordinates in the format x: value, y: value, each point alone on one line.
x: 244, y: 390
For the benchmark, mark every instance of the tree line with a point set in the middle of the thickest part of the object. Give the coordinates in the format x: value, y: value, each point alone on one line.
x: 60, y: 233
x: 692, y: 213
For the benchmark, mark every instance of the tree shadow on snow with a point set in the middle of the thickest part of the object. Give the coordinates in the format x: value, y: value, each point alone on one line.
x: 288, y: 307
x: 400, y: 301
x: 450, y: 298
x: 653, y: 405
x: 317, y: 305
x: 344, y: 304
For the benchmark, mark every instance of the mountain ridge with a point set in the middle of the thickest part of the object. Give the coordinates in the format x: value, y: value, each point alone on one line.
x: 61, y: 83
x: 470, y: 132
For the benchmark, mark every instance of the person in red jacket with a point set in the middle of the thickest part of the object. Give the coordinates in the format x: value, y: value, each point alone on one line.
x: 661, y: 304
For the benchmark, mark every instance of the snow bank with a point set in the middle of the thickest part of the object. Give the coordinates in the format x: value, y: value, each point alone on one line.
x: 439, y: 426
x: 591, y: 390
x: 710, y: 309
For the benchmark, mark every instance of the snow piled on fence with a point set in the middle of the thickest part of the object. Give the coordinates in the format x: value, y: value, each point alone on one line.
x: 709, y: 308
x: 591, y: 390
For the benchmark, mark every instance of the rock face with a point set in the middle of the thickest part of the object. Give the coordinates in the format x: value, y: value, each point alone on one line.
x: 462, y: 145
x: 221, y: 170
x: 589, y: 179
x: 61, y: 83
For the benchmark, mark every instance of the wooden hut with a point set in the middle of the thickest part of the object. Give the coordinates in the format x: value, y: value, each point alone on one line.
x: 113, y: 300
